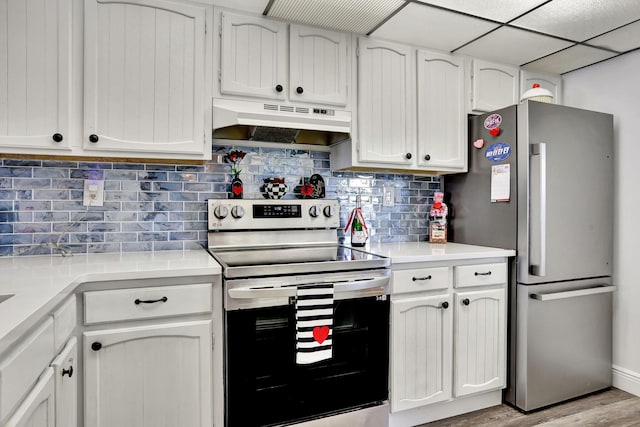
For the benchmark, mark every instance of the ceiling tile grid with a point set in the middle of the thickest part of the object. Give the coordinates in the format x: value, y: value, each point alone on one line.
x: 496, y: 10
x: 428, y: 26
x: 570, y: 59
x: 359, y: 16
x: 506, y: 45
x: 555, y: 36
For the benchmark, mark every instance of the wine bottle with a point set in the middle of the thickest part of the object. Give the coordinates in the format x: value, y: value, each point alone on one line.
x: 358, y: 229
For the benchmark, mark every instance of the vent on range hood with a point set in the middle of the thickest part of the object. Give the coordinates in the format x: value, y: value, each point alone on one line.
x: 274, y: 122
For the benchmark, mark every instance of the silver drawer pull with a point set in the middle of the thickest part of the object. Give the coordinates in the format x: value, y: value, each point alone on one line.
x: 415, y: 279
x: 488, y: 273
x: 150, y: 301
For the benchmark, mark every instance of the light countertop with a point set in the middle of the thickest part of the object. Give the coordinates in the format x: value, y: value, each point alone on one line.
x: 401, y: 253
x: 39, y: 283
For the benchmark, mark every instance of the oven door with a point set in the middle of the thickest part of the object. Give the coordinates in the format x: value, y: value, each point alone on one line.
x: 266, y: 387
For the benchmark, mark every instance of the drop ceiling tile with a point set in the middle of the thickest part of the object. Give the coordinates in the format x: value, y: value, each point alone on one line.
x: 580, y: 19
x: 621, y: 40
x: 569, y: 59
x: 358, y: 16
x: 513, y: 46
x: 432, y: 27
x: 255, y: 6
x: 497, y: 10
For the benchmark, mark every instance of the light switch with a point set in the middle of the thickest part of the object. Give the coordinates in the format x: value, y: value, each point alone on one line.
x: 93, y: 192
x: 388, y: 196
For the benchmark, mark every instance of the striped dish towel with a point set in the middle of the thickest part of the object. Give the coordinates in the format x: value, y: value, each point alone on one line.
x: 314, y: 323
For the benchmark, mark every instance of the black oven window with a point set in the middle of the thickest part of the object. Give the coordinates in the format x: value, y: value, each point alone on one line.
x: 266, y: 387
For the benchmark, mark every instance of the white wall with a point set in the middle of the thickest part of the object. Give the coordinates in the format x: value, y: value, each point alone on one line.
x: 613, y: 87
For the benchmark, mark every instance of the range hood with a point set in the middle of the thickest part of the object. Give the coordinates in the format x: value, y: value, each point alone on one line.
x: 278, y: 122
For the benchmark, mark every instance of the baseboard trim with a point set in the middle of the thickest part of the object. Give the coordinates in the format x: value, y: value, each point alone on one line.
x: 626, y: 380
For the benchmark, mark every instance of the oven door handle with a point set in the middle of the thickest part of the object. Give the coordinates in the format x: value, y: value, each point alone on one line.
x: 377, y: 286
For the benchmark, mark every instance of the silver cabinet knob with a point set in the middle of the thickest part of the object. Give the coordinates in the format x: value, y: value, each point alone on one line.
x: 313, y: 211
x: 237, y: 211
x: 220, y: 212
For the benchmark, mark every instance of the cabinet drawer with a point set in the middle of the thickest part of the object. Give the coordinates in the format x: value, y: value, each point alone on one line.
x: 145, y: 303
x: 20, y: 370
x: 480, y: 274
x: 64, y: 322
x: 420, y: 279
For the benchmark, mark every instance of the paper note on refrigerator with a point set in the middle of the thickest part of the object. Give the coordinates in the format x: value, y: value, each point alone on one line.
x: 500, y: 181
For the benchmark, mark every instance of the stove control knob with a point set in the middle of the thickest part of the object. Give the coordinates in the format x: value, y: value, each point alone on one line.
x: 237, y: 211
x: 220, y: 212
x: 314, y: 211
x: 328, y: 211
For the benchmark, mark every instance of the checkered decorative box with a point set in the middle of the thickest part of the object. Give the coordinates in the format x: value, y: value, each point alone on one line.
x: 275, y: 190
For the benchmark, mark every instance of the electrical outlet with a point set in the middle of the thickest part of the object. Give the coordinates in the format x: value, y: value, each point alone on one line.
x: 93, y: 192
x: 388, y: 196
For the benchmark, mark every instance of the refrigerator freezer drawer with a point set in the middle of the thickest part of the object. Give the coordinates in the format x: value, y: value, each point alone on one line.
x: 564, y: 342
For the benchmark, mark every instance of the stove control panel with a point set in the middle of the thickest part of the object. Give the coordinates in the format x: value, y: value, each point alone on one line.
x: 244, y: 214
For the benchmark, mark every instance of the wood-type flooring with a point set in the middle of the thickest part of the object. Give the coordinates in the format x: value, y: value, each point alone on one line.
x: 611, y: 408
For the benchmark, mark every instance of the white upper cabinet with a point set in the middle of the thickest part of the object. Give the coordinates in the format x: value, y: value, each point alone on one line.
x: 411, y: 111
x: 493, y: 86
x: 551, y: 82
x: 318, y: 65
x: 145, y: 82
x: 442, y: 133
x: 386, y: 103
x: 259, y: 59
x: 253, y: 56
x: 35, y: 74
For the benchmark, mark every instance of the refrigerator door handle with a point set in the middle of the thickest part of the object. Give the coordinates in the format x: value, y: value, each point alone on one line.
x: 540, y: 150
x: 551, y: 296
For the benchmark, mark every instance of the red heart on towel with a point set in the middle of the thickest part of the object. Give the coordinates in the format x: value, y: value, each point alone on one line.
x: 320, y: 333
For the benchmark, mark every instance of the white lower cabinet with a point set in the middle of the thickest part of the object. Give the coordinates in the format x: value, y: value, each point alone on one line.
x: 149, y: 376
x: 480, y: 349
x: 65, y: 368
x: 448, y: 336
x: 38, y: 408
x: 421, y: 351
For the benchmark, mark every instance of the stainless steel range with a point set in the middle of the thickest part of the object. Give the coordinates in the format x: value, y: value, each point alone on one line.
x: 271, y: 251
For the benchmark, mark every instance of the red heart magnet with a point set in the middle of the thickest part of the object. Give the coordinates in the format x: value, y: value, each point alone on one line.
x: 494, y: 131
x: 320, y: 333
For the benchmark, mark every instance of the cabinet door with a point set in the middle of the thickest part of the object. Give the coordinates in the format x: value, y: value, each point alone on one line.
x: 65, y: 367
x: 35, y: 73
x: 420, y: 351
x: 552, y: 82
x: 494, y: 86
x: 318, y: 65
x: 386, y: 103
x: 253, y: 57
x: 480, y: 341
x: 149, y: 376
x: 145, y: 67
x: 442, y: 136
x: 38, y: 408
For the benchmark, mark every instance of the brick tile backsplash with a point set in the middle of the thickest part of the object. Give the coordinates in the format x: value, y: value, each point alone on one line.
x: 155, y: 207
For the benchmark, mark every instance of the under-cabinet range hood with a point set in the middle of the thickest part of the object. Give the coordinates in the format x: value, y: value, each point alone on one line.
x: 271, y: 121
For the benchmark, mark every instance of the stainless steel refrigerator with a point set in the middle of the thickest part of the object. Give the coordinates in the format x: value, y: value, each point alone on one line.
x: 542, y: 184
